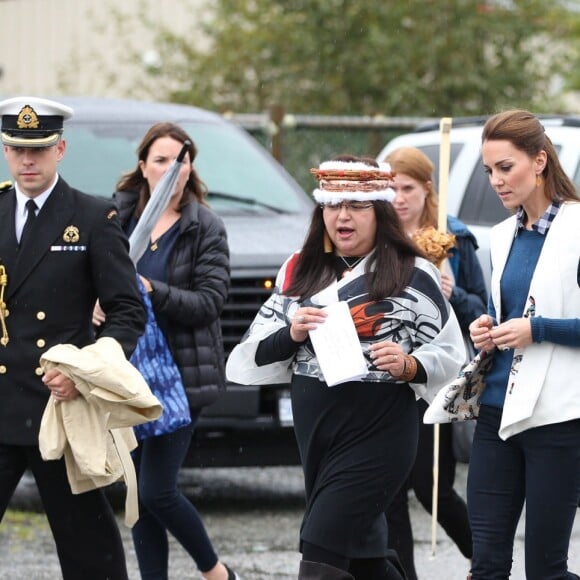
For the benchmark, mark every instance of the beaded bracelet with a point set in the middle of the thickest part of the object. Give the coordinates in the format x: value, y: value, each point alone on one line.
x: 409, y: 369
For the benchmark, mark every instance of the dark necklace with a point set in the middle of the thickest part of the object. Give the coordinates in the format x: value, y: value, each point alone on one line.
x: 350, y: 263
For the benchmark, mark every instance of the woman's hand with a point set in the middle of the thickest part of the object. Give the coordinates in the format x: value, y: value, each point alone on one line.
x: 305, y: 319
x: 447, y: 285
x: 515, y: 333
x: 62, y: 388
x: 388, y: 356
x: 146, y: 284
x: 98, y: 314
x: 480, y: 333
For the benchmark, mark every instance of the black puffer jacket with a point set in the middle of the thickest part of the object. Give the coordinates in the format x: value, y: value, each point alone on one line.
x: 192, y: 300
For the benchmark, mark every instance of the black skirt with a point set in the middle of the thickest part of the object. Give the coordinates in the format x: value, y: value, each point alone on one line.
x: 357, y: 444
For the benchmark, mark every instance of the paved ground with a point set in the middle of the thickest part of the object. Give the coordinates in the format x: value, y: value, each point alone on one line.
x: 253, y: 516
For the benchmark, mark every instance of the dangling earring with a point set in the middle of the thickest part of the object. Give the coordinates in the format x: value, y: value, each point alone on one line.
x: 328, y: 247
x: 538, y: 180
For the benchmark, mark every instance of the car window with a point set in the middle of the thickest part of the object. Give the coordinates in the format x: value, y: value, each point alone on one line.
x: 432, y: 151
x: 96, y: 156
x: 481, y: 204
x: 229, y: 162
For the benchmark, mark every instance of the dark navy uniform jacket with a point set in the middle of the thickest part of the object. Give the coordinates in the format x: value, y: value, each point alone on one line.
x: 77, y: 253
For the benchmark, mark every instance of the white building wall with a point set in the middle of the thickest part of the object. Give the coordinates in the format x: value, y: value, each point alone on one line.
x: 47, y: 47
x: 55, y: 47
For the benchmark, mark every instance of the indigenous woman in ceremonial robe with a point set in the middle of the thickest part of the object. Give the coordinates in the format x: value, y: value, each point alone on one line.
x: 357, y: 439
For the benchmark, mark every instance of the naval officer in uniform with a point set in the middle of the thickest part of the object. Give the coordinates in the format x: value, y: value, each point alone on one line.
x: 60, y: 251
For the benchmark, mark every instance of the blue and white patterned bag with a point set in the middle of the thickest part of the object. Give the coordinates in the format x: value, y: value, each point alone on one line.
x: 153, y: 358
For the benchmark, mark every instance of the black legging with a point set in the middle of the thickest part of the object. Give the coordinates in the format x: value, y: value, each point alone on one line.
x: 164, y: 508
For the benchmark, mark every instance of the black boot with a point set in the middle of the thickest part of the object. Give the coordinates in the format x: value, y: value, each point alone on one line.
x: 395, y: 562
x: 318, y: 571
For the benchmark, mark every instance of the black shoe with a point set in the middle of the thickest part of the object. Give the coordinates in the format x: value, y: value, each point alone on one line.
x: 231, y: 574
x: 395, y: 562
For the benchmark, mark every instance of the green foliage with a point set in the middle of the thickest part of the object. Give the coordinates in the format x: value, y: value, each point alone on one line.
x: 26, y: 526
x: 568, y: 26
x: 395, y: 57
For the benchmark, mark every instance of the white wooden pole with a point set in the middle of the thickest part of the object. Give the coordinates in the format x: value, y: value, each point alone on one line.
x: 444, y: 161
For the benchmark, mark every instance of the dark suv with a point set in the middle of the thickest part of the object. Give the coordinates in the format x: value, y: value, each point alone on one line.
x: 266, y: 214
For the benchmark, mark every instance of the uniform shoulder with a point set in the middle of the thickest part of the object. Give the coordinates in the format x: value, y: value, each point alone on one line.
x: 5, y: 186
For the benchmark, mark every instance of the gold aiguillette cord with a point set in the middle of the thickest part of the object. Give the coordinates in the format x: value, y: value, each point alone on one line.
x: 3, y: 284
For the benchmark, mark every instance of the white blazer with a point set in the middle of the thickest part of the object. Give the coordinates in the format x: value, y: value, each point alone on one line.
x: 547, y: 387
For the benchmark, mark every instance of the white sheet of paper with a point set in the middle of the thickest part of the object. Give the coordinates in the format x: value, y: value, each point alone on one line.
x: 337, y: 346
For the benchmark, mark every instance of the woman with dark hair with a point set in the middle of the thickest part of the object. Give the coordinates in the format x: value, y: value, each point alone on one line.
x: 185, y: 271
x: 357, y: 439
x: 526, y: 447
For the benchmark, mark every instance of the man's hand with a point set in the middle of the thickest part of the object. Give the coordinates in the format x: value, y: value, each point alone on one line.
x: 62, y: 388
x: 98, y: 314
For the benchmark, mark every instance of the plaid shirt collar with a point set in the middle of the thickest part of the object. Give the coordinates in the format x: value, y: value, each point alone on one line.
x: 543, y: 224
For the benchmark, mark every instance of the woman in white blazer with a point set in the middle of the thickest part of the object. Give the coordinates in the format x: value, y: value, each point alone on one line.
x: 527, y: 441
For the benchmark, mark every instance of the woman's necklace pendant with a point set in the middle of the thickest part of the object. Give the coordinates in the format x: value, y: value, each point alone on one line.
x: 350, y: 265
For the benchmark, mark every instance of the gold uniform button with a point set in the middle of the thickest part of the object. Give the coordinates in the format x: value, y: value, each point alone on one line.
x: 38, y: 371
x: 3, y: 370
x: 6, y: 313
x: 41, y: 315
x: 41, y: 343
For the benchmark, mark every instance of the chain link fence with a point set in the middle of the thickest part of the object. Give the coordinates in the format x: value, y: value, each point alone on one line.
x: 300, y: 142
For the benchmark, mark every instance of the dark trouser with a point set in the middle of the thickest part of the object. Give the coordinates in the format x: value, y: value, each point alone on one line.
x: 87, y: 538
x: 163, y: 508
x: 451, y: 509
x: 540, y: 466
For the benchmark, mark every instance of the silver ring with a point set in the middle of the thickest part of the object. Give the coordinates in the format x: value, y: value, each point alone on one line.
x: 301, y: 319
x: 504, y: 347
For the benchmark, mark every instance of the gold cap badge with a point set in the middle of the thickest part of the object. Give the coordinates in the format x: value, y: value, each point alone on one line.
x: 71, y: 234
x: 27, y: 118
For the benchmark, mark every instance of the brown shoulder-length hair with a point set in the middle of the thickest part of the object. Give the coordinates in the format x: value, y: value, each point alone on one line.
x: 525, y: 132
x: 388, y: 270
x: 414, y: 163
x: 134, y: 180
